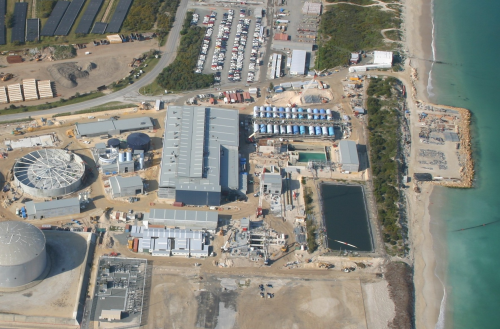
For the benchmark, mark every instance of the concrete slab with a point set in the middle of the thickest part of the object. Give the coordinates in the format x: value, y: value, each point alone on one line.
x: 44, y: 140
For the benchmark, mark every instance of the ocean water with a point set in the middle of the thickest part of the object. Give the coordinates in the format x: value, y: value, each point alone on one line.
x: 466, y: 39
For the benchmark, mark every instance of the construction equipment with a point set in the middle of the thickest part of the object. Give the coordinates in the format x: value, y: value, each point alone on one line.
x: 17, y: 132
x: 7, y: 76
x: 70, y: 133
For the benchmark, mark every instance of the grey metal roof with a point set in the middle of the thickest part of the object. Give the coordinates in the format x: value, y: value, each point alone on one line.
x: 104, y: 127
x: 32, y: 207
x: 298, y: 61
x: 20, y: 242
x: 120, y: 182
x: 270, y: 178
x: 200, y: 148
x: 183, y: 215
x: 348, y: 152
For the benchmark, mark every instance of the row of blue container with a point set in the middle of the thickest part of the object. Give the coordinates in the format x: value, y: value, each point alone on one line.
x: 291, y: 113
x: 295, y: 130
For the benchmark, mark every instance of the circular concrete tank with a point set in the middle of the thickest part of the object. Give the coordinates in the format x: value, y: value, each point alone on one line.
x: 139, y: 141
x: 49, y: 173
x: 23, y: 255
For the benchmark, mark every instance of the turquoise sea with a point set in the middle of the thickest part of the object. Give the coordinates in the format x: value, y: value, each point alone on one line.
x: 467, y: 39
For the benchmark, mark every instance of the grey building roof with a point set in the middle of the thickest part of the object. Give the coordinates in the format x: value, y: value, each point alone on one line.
x: 200, y: 149
x: 118, y: 182
x: 210, y: 218
x: 104, y: 127
x: 245, y: 222
x: 270, y: 178
x: 20, y: 242
x: 32, y: 207
x: 298, y: 61
x: 348, y: 152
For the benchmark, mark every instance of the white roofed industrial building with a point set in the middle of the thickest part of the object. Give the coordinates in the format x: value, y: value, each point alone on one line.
x: 126, y: 186
x: 382, y: 57
x: 348, y: 156
x: 54, y: 208
x: 200, y: 155
x: 186, y: 219
x: 112, y: 127
x: 298, y: 66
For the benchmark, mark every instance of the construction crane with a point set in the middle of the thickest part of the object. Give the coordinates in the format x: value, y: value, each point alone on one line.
x: 261, y: 193
x: 316, y: 74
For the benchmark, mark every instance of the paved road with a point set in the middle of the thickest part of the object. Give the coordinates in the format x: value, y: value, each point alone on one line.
x: 129, y: 93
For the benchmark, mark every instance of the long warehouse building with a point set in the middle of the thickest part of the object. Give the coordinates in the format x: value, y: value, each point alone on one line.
x: 112, y: 127
x: 200, y: 155
x: 184, y: 219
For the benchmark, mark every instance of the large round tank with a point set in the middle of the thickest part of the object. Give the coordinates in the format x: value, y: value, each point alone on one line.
x: 23, y: 256
x: 114, y: 143
x: 49, y: 173
x: 139, y: 141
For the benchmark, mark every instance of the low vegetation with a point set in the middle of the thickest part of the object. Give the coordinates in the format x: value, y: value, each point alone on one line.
x: 383, y: 126
x: 143, y: 15
x: 346, y: 28
x: 400, y: 278
x: 105, y: 107
x: 45, y: 7
x: 180, y: 75
x: 357, y: 2
x: 310, y: 227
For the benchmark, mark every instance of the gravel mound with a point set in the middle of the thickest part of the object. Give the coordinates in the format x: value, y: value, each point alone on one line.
x: 67, y: 74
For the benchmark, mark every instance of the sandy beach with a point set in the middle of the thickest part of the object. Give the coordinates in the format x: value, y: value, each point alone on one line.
x: 428, y: 287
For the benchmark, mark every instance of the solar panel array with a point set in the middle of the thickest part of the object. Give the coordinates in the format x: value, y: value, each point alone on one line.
x: 32, y: 29
x: 19, y: 28
x: 89, y: 16
x: 3, y: 9
x: 69, y: 17
x: 99, y: 28
x: 50, y: 26
x: 119, y: 15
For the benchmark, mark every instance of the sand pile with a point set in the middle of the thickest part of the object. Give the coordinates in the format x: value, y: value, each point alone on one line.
x: 67, y: 74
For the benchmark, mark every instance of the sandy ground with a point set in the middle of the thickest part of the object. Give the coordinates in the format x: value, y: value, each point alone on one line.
x: 379, y: 307
x: 111, y: 65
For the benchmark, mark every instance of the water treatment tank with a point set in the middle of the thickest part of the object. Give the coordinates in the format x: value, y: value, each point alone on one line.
x: 269, y: 128
x: 294, y: 113
x: 282, y: 112
x: 276, y: 129
x: 328, y: 112
x: 262, y: 114
x: 262, y: 128
x: 309, y: 110
x: 301, y: 113
x: 315, y: 116
x: 311, y: 130
x: 282, y: 130
x: 318, y: 131
x: 329, y: 117
x: 128, y: 155
x: 322, y: 114
x: 141, y: 163
x: 324, y: 130
x: 139, y: 141
x: 255, y: 127
x: 289, y: 130
x: 114, y: 143
x: 23, y: 255
x: 309, y: 116
x: 287, y: 113
x: 295, y: 130
x: 121, y: 156
x: 331, y: 131
x: 275, y: 112
x: 302, y: 130
x: 255, y: 111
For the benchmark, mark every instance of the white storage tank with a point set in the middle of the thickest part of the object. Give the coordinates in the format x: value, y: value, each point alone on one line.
x: 255, y: 127
x: 287, y: 113
x: 289, y: 129
x: 324, y: 130
x: 311, y: 130
x: 275, y: 112
x: 282, y: 130
x: 255, y: 111
x: 269, y: 128
x: 276, y: 129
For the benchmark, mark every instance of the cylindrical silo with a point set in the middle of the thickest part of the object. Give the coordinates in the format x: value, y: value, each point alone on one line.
x: 262, y: 114
x: 282, y: 130
x: 289, y: 130
x: 301, y: 113
x: 311, y: 130
x: 302, y: 130
x: 322, y: 114
x: 255, y: 127
x: 295, y: 130
x: 315, y: 116
x: 309, y: 110
x: 318, y: 131
x: 269, y: 128
x: 331, y: 131
x: 121, y: 156
x: 262, y: 128
x: 255, y: 111
x: 114, y: 143
x: 139, y: 141
x: 282, y: 112
x: 328, y: 117
x: 141, y: 163
x: 275, y: 112
x: 287, y: 113
x: 128, y: 155
x: 328, y: 111
x: 276, y: 129
x: 324, y: 130
x: 23, y: 255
